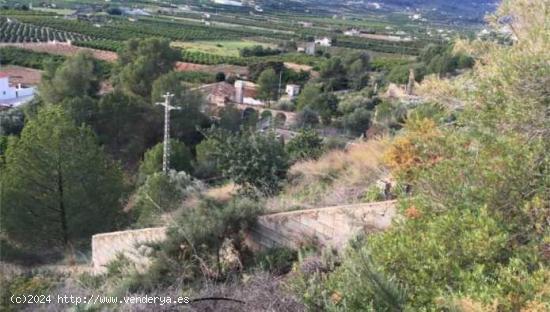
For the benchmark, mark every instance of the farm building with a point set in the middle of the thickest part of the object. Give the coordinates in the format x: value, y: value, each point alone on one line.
x: 13, y: 96
x: 352, y: 32
x: 324, y: 42
x: 223, y: 93
x: 308, y: 48
x: 219, y: 94
x: 292, y: 90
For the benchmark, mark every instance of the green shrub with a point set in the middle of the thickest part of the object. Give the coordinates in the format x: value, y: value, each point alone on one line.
x: 373, y: 194
x: 277, y: 261
x: 180, y: 159
x: 306, y: 145
x: 243, y: 158
x: 25, y: 284
x: 162, y: 193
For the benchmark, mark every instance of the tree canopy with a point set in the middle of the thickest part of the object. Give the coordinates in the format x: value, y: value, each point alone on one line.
x: 180, y: 159
x: 78, y: 76
x: 254, y: 161
x: 268, y: 85
x: 59, y: 187
x: 141, y: 62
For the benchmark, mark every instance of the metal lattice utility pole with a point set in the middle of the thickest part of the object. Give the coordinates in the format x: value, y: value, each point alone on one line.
x: 167, y: 108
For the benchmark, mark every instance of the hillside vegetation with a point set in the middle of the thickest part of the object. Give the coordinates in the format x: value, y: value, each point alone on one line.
x: 466, y: 158
x: 338, y: 177
x: 475, y: 236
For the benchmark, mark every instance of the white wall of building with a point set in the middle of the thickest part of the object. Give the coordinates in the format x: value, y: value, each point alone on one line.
x: 12, y: 93
x: 6, y: 92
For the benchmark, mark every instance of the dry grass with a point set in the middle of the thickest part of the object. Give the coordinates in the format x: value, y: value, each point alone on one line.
x: 222, y: 193
x: 337, y: 178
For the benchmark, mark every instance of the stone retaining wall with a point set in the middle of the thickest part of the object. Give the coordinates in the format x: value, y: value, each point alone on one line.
x: 328, y: 227
x: 132, y: 244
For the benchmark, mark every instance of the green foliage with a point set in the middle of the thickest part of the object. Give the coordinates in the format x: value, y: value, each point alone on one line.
x: 78, y: 76
x: 250, y: 119
x: 277, y: 261
x: 26, y: 58
x: 473, y: 233
x: 198, y: 77
x: 291, y: 76
x: 209, y: 222
x: 359, y: 283
x: 400, y: 74
x: 11, y: 121
x: 124, y: 126
x: 390, y: 114
x: 442, y: 60
x: 13, y: 31
x: 258, y: 50
x: 256, y: 69
x: 180, y: 159
x: 474, y: 245
x: 141, y: 62
x: 162, y: 193
x: 185, y: 120
x: 306, y: 145
x: 81, y: 109
x: 268, y: 85
x: 333, y: 74
x: 307, y: 118
x: 308, y: 95
x: 24, y: 285
x: 358, y: 121
x: 255, y: 161
x: 325, y: 104
x: 59, y: 188
x: 205, y: 165
x: 220, y: 76
x: 357, y: 67
x: 230, y: 118
x: 193, y: 247
x: 433, y: 59
x: 386, y: 64
x: 373, y: 194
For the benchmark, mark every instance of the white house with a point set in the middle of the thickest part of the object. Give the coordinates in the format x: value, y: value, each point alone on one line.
x: 13, y: 96
x: 324, y: 42
x: 292, y: 90
x: 352, y: 32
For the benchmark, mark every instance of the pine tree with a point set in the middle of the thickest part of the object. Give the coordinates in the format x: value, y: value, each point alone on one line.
x: 59, y: 188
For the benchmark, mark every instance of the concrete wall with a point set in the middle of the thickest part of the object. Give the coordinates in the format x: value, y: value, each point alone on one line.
x: 329, y: 227
x: 132, y: 244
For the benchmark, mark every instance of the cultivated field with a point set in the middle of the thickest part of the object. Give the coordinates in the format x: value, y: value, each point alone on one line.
x: 223, y: 48
x: 62, y: 49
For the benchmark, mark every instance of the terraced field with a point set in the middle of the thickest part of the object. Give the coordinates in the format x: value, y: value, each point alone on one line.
x: 11, y: 30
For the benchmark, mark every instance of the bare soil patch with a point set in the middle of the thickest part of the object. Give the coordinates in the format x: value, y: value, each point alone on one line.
x: 227, y: 69
x: 22, y: 75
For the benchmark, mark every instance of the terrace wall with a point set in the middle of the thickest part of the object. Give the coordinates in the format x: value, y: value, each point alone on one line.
x: 328, y: 227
